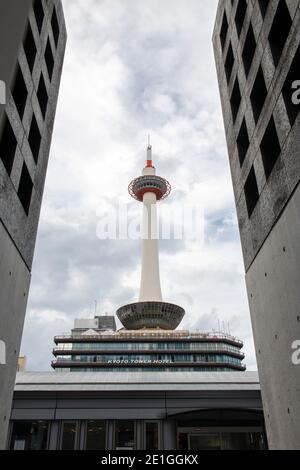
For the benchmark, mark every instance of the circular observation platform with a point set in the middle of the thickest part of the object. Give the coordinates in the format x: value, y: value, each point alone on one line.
x: 149, y: 184
x: 150, y: 315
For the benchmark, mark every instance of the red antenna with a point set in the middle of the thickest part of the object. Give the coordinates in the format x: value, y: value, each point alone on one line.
x: 149, y: 153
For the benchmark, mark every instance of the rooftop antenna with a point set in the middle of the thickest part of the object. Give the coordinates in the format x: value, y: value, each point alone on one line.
x: 96, y: 305
x: 149, y: 153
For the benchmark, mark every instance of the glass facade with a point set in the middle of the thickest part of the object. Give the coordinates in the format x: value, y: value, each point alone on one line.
x: 133, y: 435
x: 95, y: 435
x: 162, y: 346
x: 29, y: 435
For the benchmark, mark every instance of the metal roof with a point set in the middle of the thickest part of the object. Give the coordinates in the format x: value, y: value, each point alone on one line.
x: 129, y: 381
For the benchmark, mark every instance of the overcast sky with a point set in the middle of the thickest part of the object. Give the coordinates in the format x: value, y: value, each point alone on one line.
x: 134, y: 67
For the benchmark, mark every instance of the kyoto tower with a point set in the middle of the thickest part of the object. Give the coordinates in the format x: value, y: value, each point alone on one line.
x: 150, y: 311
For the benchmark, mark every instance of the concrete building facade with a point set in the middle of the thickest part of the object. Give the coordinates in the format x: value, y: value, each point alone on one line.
x: 32, y: 45
x: 257, y: 52
x: 138, y: 411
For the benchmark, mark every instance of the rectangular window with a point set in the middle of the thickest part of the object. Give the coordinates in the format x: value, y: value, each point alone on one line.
x: 152, y: 435
x: 240, y: 16
x: 34, y: 139
x: 19, y: 92
x: 55, y: 26
x: 8, y: 145
x: 69, y: 435
x: 243, y: 142
x: 125, y: 435
x: 251, y: 192
x: 30, y: 48
x: 249, y: 50
x: 224, y: 30
x: 258, y: 94
x: 49, y: 59
x: 280, y: 30
x: 25, y: 189
x: 229, y: 63
x: 235, y: 100
x: 38, y: 13
x: 42, y: 96
x: 29, y: 435
x: 95, y: 435
x: 291, y: 89
x: 270, y: 148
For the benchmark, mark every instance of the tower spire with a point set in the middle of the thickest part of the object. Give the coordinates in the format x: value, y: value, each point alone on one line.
x: 149, y: 153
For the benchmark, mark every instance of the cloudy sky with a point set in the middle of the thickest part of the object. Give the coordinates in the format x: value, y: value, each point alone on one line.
x: 134, y: 67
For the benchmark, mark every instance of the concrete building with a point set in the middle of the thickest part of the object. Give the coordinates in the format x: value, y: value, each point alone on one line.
x: 22, y: 364
x: 93, y: 349
x: 257, y: 51
x: 142, y: 411
x: 32, y: 44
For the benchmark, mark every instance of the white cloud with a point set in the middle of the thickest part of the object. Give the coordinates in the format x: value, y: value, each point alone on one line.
x: 132, y: 68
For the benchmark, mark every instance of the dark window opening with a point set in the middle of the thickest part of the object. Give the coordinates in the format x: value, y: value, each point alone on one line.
x: 229, y: 63
x: 224, y: 30
x: 30, y: 48
x: 243, y: 142
x: 34, y: 139
x: 19, y: 92
x: 25, y: 188
x: 8, y: 145
x: 42, y: 96
x: 263, y: 5
x: 291, y: 89
x: 251, y: 192
x: 270, y: 148
x: 280, y: 30
x: 249, y: 50
x: 55, y: 26
x: 258, y: 94
x: 38, y: 13
x: 29, y: 435
x: 240, y: 16
x: 49, y: 59
x: 235, y: 100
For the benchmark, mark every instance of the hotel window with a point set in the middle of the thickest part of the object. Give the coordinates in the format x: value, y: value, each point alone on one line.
x: 249, y: 50
x: 34, y: 139
x: 229, y: 63
x: 125, y: 435
x: 69, y: 435
x: 29, y: 435
x: 263, y: 5
x: 95, y: 435
x: 152, y: 435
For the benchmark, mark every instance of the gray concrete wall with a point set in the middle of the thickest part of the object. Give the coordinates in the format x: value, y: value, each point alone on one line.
x: 273, y: 282
x: 14, y: 285
x: 18, y: 229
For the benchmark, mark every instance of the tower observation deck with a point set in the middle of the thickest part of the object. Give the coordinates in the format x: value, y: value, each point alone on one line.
x: 150, y: 311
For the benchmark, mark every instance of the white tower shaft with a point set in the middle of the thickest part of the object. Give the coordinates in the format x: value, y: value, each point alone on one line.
x: 150, y: 289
